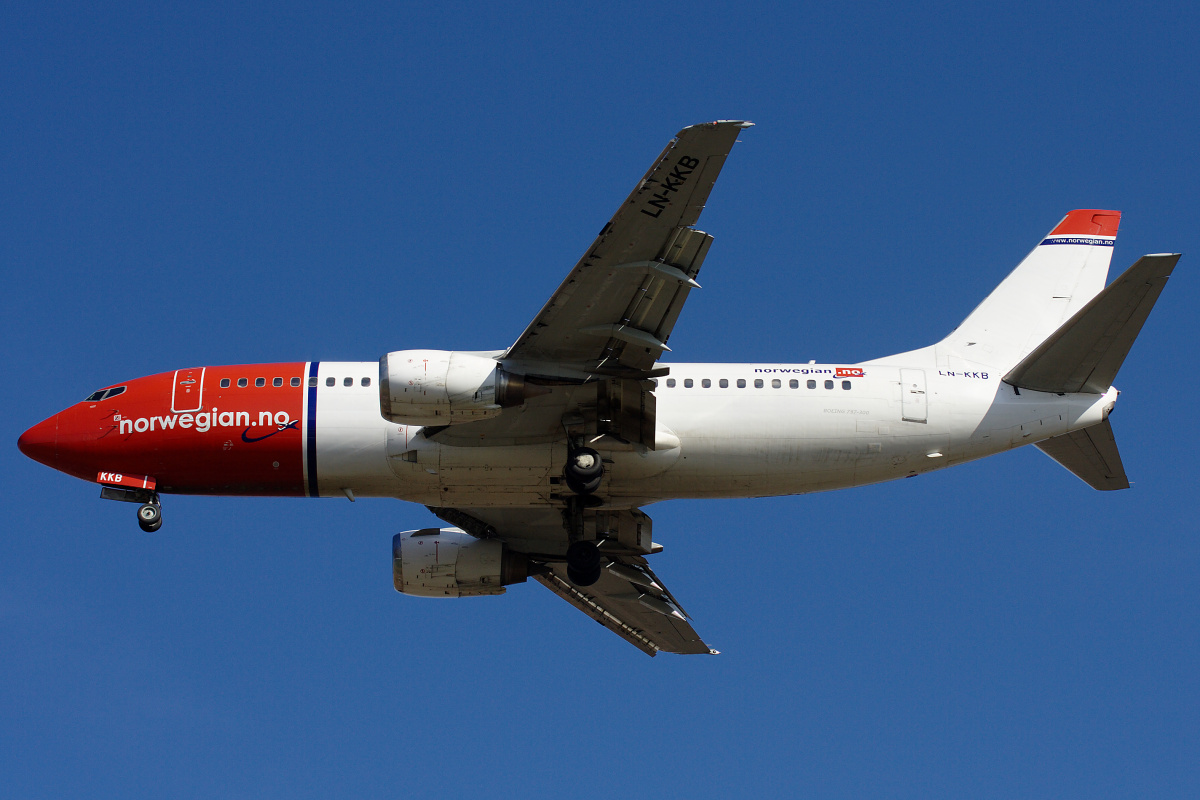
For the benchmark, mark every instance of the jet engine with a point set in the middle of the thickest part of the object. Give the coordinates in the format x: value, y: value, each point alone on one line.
x: 442, y: 387
x: 448, y: 562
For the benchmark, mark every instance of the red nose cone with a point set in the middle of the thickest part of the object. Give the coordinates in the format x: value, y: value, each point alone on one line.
x: 41, y: 441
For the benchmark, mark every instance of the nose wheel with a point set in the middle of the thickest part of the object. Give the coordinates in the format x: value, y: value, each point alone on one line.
x: 150, y: 517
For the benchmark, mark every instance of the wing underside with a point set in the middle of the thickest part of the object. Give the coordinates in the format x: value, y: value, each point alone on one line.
x: 588, y: 354
x: 631, y: 602
x: 616, y: 309
x: 628, y: 599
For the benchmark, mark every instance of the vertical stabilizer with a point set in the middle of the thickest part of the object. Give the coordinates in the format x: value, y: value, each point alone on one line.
x: 1066, y: 270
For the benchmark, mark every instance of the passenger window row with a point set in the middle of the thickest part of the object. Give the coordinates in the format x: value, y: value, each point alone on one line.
x: 776, y: 383
x: 243, y: 382
x: 312, y: 381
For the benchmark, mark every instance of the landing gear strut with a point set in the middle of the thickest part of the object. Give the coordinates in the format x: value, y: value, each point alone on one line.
x: 582, y: 474
x: 150, y: 516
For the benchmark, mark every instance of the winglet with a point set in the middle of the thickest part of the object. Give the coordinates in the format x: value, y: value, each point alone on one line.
x: 1088, y: 222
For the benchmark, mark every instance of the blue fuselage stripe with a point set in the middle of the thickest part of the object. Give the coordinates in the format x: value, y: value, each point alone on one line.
x: 312, y: 430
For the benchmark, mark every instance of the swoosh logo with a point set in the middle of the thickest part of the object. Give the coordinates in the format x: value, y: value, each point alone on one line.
x: 290, y: 426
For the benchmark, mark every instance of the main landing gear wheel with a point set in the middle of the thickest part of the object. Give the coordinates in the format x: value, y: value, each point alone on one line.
x: 584, y: 470
x: 150, y: 517
x: 583, y: 563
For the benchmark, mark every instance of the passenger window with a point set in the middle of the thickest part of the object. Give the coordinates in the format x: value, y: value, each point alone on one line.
x: 348, y: 382
x: 845, y: 384
x: 277, y: 382
x: 775, y: 384
x: 224, y: 383
x: 242, y: 383
x: 828, y: 384
x: 811, y: 384
x: 655, y: 382
x: 365, y: 381
x: 670, y: 383
x: 312, y: 380
x: 741, y: 383
x: 687, y: 383
x: 793, y: 384
x: 724, y: 384
x: 260, y: 381
x: 295, y: 381
x: 330, y: 381
x: 706, y: 383
x: 758, y: 384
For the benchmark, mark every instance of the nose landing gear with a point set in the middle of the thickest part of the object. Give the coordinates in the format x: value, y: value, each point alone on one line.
x: 126, y: 488
x: 150, y: 516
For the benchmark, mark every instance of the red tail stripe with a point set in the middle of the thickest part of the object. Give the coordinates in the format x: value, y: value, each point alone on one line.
x: 1088, y: 222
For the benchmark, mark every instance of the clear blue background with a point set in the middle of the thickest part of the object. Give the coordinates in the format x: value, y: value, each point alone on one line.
x: 240, y: 183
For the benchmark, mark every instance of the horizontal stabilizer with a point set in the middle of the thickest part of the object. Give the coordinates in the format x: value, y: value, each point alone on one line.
x: 1084, y: 354
x: 1091, y: 454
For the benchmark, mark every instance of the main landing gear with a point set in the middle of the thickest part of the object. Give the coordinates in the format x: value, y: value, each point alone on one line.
x: 583, y: 473
x: 584, y: 563
x: 584, y: 470
x: 149, y: 516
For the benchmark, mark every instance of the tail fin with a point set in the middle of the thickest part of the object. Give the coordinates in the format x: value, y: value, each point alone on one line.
x: 1065, y: 271
x: 1085, y: 353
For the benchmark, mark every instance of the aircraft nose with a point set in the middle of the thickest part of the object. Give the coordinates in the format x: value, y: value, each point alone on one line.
x: 41, y: 441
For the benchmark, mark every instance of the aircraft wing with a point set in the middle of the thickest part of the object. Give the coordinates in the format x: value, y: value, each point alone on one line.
x: 629, y: 599
x: 615, y: 311
x: 631, y: 602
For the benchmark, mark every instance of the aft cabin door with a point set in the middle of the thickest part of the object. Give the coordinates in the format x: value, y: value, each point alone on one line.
x: 913, y: 403
x: 187, y: 392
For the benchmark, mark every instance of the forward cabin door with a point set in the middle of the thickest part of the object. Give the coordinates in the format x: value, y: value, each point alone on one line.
x: 913, y: 403
x: 187, y: 390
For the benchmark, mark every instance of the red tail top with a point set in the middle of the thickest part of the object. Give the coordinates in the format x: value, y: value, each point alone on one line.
x: 1088, y: 222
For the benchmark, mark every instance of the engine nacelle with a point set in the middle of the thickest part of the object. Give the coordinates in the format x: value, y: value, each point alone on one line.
x: 442, y: 387
x: 448, y: 562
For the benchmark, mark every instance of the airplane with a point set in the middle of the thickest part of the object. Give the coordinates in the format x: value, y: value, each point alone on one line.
x: 542, y: 456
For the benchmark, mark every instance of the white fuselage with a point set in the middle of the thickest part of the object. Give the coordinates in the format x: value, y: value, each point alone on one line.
x: 724, y: 430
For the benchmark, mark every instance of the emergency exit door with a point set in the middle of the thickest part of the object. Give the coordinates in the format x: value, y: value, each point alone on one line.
x: 187, y: 390
x: 914, y: 405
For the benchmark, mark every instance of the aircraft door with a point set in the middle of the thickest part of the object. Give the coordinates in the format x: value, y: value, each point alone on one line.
x: 187, y: 390
x: 913, y: 400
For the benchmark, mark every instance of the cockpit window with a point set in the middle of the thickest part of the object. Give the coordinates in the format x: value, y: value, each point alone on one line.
x: 104, y: 394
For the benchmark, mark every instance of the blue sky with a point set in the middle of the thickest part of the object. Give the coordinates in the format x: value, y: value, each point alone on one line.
x: 243, y: 183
